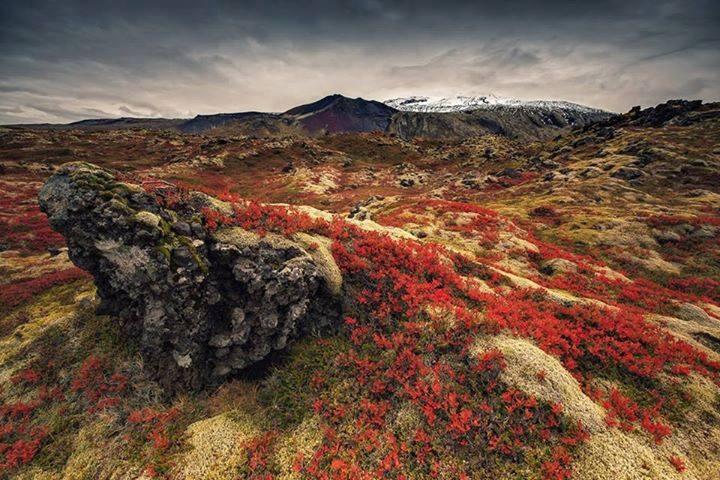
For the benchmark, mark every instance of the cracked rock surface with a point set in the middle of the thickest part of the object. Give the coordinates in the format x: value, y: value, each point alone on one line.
x: 201, y: 305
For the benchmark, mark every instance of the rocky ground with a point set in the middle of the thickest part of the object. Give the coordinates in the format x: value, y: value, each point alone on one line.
x: 498, y: 308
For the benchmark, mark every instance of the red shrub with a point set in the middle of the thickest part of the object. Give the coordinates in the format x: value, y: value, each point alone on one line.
x: 670, y: 220
x: 404, y: 350
x: 23, y: 226
x: 13, y: 294
x: 559, y: 467
x: 97, y: 384
x: 700, y: 286
x: 678, y: 463
x: 22, y: 451
x: 155, y: 424
x: 27, y: 377
x: 259, y: 451
x: 585, y: 336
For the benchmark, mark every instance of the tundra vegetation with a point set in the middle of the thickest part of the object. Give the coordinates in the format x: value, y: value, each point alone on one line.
x: 507, y: 309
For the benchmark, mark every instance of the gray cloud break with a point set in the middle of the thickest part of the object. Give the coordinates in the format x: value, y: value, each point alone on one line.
x: 64, y: 61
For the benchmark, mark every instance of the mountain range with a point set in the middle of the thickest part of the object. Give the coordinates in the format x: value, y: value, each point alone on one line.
x: 410, y: 117
x: 460, y: 103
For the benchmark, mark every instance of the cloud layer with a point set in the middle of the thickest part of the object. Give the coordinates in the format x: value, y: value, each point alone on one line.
x: 64, y: 61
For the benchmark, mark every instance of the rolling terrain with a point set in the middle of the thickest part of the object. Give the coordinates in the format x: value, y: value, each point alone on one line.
x: 520, y: 295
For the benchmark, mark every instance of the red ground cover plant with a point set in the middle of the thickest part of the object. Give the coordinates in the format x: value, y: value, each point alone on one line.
x: 697, y: 244
x: 703, y: 287
x: 548, y: 251
x: 20, y: 291
x: 401, y: 353
x: 659, y: 221
x: 404, y: 356
x: 259, y: 451
x: 638, y: 294
x: 591, y: 341
x: 98, y: 386
x: 414, y: 322
x: 678, y: 463
x: 584, y: 336
x: 558, y: 468
x: 155, y: 424
x: 94, y: 387
x: 23, y: 449
x: 27, y: 376
x: 23, y: 226
x: 511, y: 181
x: 547, y: 214
x: 472, y: 221
x: 544, y: 211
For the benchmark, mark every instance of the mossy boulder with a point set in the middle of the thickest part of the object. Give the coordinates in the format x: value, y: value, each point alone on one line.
x: 201, y: 304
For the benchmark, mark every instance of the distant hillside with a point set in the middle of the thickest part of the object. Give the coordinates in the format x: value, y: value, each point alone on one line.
x: 514, y: 121
x: 339, y: 114
x: 247, y: 123
x: 102, y: 124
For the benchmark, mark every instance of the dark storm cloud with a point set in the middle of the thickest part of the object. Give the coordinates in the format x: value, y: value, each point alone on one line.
x: 66, y: 60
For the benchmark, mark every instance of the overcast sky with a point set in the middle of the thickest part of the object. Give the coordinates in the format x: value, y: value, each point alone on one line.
x: 67, y: 60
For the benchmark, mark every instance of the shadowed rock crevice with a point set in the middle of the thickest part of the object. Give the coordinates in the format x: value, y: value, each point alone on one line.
x: 201, y: 305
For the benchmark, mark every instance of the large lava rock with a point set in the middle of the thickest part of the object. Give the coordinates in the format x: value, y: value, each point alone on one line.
x: 200, y: 304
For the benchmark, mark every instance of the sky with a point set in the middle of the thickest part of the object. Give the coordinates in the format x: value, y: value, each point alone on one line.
x: 68, y: 60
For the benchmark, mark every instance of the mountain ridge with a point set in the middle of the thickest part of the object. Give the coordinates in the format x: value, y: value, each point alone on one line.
x: 337, y: 113
x: 458, y: 103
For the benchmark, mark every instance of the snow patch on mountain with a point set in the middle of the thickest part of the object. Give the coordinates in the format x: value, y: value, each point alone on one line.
x: 459, y: 103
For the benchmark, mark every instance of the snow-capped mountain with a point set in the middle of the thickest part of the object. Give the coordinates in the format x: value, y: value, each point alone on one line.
x: 459, y: 103
x: 454, y: 117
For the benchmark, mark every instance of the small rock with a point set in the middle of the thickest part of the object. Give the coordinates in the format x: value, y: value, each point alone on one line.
x: 582, y: 141
x: 693, y: 313
x: 147, y: 219
x: 558, y: 265
x: 627, y: 173
x: 666, y: 236
x: 705, y: 232
x: 220, y: 340
x: 510, y: 172
x: 590, y: 172
x: 606, y: 133
x: 182, y: 257
x: 182, y: 228
x: 54, y: 251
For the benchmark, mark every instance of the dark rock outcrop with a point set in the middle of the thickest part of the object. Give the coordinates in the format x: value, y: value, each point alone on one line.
x: 662, y: 113
x: 672, y: 112
x: 521, y: 122
x: 627, y: 173
x: 200, y: 304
